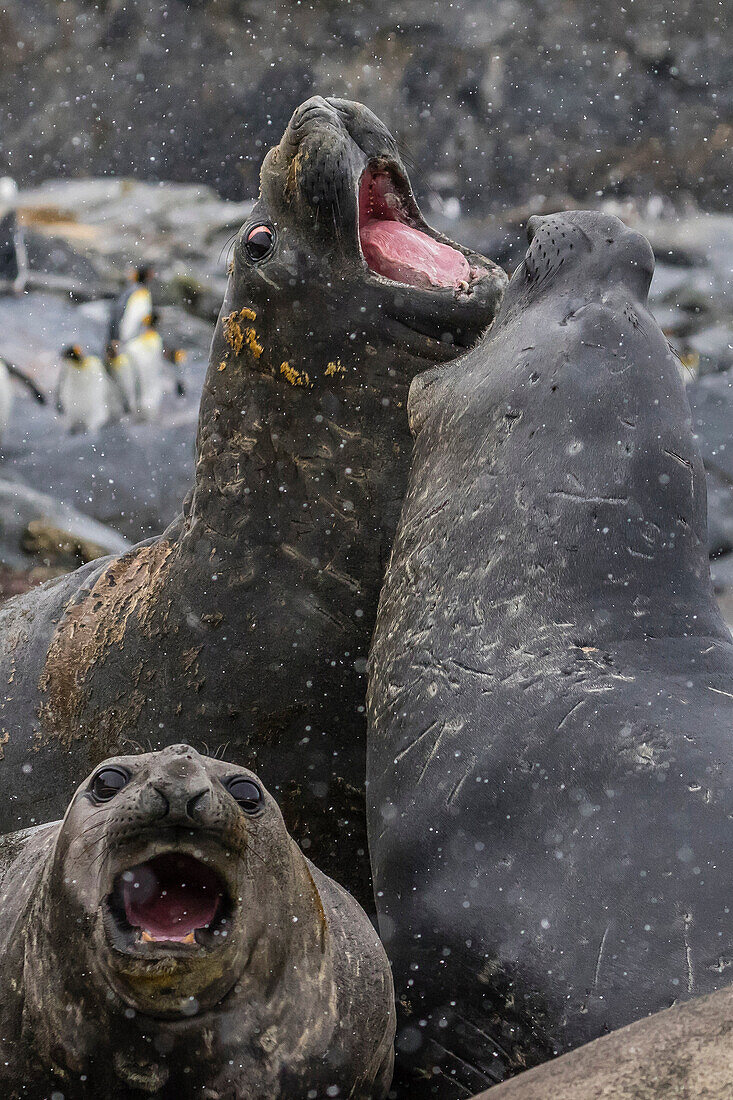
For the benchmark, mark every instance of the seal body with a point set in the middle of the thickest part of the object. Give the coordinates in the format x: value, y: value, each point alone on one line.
x: 248, y: 622
x: 168, y: 938
x: 551, y: 684
x: 682, y: 1052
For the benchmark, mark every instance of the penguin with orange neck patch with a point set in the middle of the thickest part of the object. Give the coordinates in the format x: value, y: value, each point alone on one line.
x: 132, y: 309
x: 82, y: 396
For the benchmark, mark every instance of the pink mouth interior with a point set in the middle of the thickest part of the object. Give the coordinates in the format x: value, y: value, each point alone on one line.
x: 397, y: 250
x: 171, y: 896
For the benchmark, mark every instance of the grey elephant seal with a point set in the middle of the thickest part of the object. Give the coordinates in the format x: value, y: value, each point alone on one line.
x: 680, y: 1054
x: 248, y: 621
x: 551, y: 690
x: 169, y: 939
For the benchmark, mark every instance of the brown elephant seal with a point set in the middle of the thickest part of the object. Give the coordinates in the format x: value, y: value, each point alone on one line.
x: 168, y: 938
x: 550, y: 767
x: 248, y: 621
x: 683, y: 1053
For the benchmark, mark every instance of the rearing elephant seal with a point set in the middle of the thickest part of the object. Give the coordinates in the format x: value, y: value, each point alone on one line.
x: 169, y: 939
x: 551, y: 686
x: 248, y: 621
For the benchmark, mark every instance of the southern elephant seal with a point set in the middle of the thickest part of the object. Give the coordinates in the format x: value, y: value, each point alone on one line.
x: 168, y: 938
x: 248, y: 621
x: 551, y: 685
x: 682, y: 1053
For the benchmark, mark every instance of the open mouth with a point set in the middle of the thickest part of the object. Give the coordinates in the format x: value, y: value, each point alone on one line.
x: 170, y: 900
x: 394, y: 247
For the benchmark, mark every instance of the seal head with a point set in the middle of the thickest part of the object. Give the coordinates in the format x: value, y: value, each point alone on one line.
x: 336, y: 218
x: 336, y: 262
x: 170, y: 933
x: 169, y: 882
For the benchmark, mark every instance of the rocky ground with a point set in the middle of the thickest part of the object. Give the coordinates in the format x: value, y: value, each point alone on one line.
x: 83, y: 235
x: 500, y: 102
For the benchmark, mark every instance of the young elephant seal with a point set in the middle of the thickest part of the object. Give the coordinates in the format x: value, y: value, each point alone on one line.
x: 248, y: 622
x: 551, y: 694
x: 168, y: 938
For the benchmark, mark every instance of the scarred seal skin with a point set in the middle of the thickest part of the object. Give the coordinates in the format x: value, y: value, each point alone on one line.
x: 248, y: 621
x: 551, y: 685
x: 682, y: 1053
x: 168, y: 938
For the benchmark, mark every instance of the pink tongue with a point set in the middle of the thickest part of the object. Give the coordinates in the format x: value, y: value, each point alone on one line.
x: 170, y: 897
x: 400, y: 252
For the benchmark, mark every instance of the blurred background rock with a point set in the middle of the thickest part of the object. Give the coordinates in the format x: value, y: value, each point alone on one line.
x: 498, y: 100
x: 135, y: 130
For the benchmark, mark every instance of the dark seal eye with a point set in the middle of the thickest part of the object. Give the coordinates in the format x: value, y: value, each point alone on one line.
x: 246, y: 793
x: 259, y: 241
x: 108, y: 782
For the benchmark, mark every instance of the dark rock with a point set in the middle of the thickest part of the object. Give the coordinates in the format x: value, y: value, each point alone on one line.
x: 507, y: 102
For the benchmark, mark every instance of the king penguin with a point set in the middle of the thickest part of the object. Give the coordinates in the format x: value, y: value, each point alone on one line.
x: 132, y: 308
x: 123, y: 378
x: 83, y: 391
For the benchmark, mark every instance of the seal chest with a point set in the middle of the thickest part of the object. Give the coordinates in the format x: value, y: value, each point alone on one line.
x: 209, y: 956
x: 549, y: 764
x: 683, y: 1051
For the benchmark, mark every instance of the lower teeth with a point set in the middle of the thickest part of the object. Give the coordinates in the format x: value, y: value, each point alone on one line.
x: 147, y: 938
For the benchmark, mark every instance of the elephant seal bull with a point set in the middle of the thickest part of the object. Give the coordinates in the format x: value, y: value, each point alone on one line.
x: 248, y: 621
x: 549, y: 776
x: 168, y: 938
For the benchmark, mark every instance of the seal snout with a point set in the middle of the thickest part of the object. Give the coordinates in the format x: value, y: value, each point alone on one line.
x: 181, y: 790
x: 181, y: 802
x: 313, y: 112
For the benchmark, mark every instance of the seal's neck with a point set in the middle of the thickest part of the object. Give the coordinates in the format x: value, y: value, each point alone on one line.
x: 576, y: 495
x: 287, y: 437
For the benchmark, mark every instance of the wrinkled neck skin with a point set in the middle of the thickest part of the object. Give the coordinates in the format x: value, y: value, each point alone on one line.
x: 582, y: 495
x: 75, y: 1024
x: 279, y: 410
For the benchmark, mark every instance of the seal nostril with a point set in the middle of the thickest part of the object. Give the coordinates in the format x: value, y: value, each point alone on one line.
x: 164, y: 796
x: 194, y: 803
x: 181, y: 804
